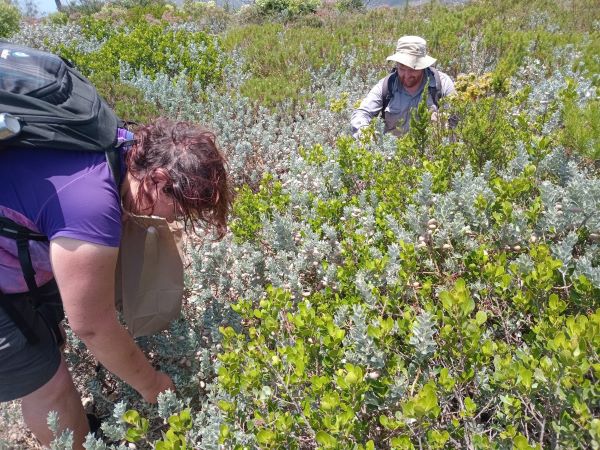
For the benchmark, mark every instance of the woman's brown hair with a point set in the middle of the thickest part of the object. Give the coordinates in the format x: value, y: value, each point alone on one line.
x: 187, y: 156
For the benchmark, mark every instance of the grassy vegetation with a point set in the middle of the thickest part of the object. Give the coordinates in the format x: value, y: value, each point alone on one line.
x: 460, y: 37
x: 437, y: 291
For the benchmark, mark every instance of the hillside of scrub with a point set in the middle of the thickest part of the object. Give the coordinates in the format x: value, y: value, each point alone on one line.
x: 437, y: 291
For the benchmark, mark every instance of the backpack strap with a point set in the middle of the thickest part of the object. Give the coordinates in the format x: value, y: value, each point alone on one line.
x: 22, y: 236
x: 113, y: 158
x: 435, y: 91
x: 33, y: 315
x: 388, y: 87
x: 22, y: 322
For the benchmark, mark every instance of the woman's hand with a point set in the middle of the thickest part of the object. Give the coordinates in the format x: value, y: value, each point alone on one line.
x: 161, y: 382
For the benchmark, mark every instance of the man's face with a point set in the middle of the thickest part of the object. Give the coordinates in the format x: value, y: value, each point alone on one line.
x: 410, y: 78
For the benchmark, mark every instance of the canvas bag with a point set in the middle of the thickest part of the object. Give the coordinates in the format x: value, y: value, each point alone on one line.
x: 149, y: 275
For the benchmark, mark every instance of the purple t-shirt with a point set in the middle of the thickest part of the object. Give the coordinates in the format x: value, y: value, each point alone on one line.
x: 60, y: 194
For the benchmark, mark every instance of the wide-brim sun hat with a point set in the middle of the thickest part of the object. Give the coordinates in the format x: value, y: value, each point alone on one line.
x: 411, y: 51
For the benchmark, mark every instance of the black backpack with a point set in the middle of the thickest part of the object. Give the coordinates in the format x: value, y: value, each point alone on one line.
x: 392, y: 77
x: 45, y: 103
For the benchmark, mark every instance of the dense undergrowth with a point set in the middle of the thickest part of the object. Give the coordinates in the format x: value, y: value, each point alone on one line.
x: 437, y: 291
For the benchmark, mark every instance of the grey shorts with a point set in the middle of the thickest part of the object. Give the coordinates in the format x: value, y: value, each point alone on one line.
x: 25, y: 367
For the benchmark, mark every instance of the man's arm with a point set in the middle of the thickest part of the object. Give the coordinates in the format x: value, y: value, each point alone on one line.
x: 368, y: 109
x: 85, y: 275
x: 447, y: 87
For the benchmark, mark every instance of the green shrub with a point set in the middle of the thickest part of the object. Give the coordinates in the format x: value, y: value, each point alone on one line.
x: 140, y: 3
x: 288, y: 7
x: 488, y: 340
x: 581, y: 131
x: 9, y: 18
x: 85, y: 7
x: 151, y: 48
x: 58, y: 18
x: 127, y: 101
x: 478, y: 37
x: 205, y: 13
x: 349, y: 5
x: 100, y: 27
x: 140, y: 10
x: 119, y: 14
x: 135, y: 9
x: 486, y: 130
x: 196, y: 9
x: 437, y: 291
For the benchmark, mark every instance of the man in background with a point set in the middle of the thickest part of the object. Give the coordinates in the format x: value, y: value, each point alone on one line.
x: 400, y: 92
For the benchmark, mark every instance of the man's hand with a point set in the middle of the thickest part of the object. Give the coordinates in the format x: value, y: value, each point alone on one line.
x: 161, y: 382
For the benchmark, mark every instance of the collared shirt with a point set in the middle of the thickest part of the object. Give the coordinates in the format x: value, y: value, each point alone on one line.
x: 397, y: 112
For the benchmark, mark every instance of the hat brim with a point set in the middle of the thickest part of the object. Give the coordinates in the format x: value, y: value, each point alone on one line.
x: 412, y: 61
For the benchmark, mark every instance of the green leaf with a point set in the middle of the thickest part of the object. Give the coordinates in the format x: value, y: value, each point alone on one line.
x: 133, y: 435
x: 488, y: 348
x: 555, y: 304
x: 354, y: 376
x: 438, y: 439
x: 186, y: 417
x: 445, y: 380
x: 326, y: 440
x: 446, y: 300
x: 525, y: 377
x: 470, y: 406
x: 160, y: 445
x: 131, y: 417
x: 171, y: 435
x: 385, y: 421
x: 480, y: 317
x: 181, y: 422
x: 265, y: 436
x: 520, y: 443
x: 401, y: 443
x: 426, y: 402
x: 467, y: 304
x: 318, y: 383
x: 225, y: 406
x: 329, y: 401
x: 223, y: 432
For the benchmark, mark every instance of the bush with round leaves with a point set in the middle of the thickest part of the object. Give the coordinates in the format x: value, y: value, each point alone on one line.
x: 9, y: 18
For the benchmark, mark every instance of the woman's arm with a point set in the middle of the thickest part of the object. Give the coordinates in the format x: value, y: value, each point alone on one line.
x: 85, y: 274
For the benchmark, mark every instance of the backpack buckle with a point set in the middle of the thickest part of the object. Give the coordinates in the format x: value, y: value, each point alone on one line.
x: 10, y: 126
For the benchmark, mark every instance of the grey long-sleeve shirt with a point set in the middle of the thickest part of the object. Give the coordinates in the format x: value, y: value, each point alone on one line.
x: 397, y: 112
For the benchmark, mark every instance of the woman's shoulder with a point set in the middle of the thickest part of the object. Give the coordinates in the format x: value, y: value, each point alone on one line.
x: 65, y: 193
x: 85, y: 206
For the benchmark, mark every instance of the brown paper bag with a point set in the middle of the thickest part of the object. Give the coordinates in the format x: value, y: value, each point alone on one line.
x: 149, y: 275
